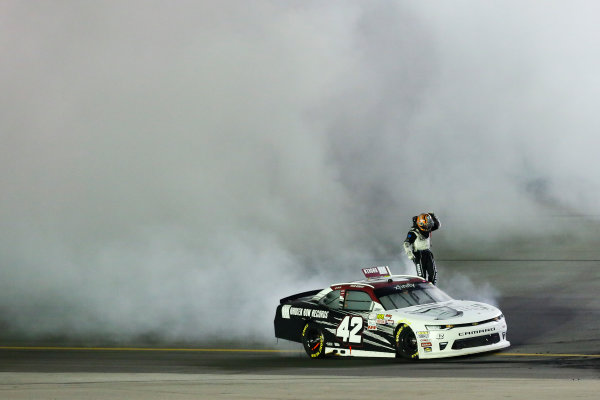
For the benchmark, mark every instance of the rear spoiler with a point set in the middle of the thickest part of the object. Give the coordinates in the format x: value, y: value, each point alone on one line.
x: 299, y: 295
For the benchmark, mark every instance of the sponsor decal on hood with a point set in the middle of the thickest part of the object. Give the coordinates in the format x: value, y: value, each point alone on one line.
x: 438, y: 312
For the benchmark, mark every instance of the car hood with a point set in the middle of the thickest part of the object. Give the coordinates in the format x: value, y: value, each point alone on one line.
x: 449, y: 312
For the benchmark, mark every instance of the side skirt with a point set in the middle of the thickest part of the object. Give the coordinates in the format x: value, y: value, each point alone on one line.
x: 357, y: 353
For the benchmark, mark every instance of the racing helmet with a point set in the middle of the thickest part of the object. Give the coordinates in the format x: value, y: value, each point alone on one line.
x: 425, y: 222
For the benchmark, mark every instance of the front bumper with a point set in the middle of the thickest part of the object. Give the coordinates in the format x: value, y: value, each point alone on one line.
x: 462, y: 341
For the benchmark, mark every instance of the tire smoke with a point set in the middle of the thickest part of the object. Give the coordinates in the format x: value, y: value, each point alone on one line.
x: 172, y: 170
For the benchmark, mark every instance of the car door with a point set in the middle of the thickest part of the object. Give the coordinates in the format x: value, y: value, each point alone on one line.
x: 356, y: 307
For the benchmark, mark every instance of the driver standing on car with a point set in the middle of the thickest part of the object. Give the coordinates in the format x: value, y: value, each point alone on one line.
x: 418, y: 243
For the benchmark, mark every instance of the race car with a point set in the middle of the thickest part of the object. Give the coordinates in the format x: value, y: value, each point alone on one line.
x: 388, y: 315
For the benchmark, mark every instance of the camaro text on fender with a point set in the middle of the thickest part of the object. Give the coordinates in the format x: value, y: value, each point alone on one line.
x: 477, y: 332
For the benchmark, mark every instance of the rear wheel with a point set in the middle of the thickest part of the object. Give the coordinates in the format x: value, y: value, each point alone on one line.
x: 406, y: 343
x: 313, y: 341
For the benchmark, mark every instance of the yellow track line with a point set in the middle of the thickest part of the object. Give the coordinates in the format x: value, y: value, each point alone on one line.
x: 248, y: 350
x: 142, y: 349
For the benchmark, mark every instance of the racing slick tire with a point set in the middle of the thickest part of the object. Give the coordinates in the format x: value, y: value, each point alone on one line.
x: 313, y: 341
x: 406, y: 343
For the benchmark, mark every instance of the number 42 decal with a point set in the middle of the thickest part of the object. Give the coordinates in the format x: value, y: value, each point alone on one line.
x: 350, y: 329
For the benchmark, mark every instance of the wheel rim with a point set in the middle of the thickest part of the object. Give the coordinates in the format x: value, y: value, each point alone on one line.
x: 407, y: 342
x: 313, y: 341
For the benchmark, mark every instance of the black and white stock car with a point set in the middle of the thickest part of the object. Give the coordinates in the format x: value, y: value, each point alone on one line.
x: 388, y: 316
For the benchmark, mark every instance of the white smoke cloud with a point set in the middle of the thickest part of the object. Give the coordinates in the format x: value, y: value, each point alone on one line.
x: 166, y: 168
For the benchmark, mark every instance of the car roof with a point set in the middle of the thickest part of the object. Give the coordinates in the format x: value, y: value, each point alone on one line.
x: 382, y: 282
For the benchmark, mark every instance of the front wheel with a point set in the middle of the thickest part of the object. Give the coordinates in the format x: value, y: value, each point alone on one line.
x: 406, y: 343
x: 313, y: 341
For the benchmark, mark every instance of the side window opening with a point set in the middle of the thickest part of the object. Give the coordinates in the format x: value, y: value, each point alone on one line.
x: 332, y: 300
x: 358, y: 301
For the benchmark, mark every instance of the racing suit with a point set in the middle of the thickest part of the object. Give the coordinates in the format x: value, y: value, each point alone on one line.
x: 417, y: 246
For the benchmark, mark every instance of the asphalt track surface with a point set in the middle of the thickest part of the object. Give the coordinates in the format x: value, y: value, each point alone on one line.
x: 553, y: 314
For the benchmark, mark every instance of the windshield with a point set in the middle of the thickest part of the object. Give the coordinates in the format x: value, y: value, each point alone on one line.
x: 410, y: 294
